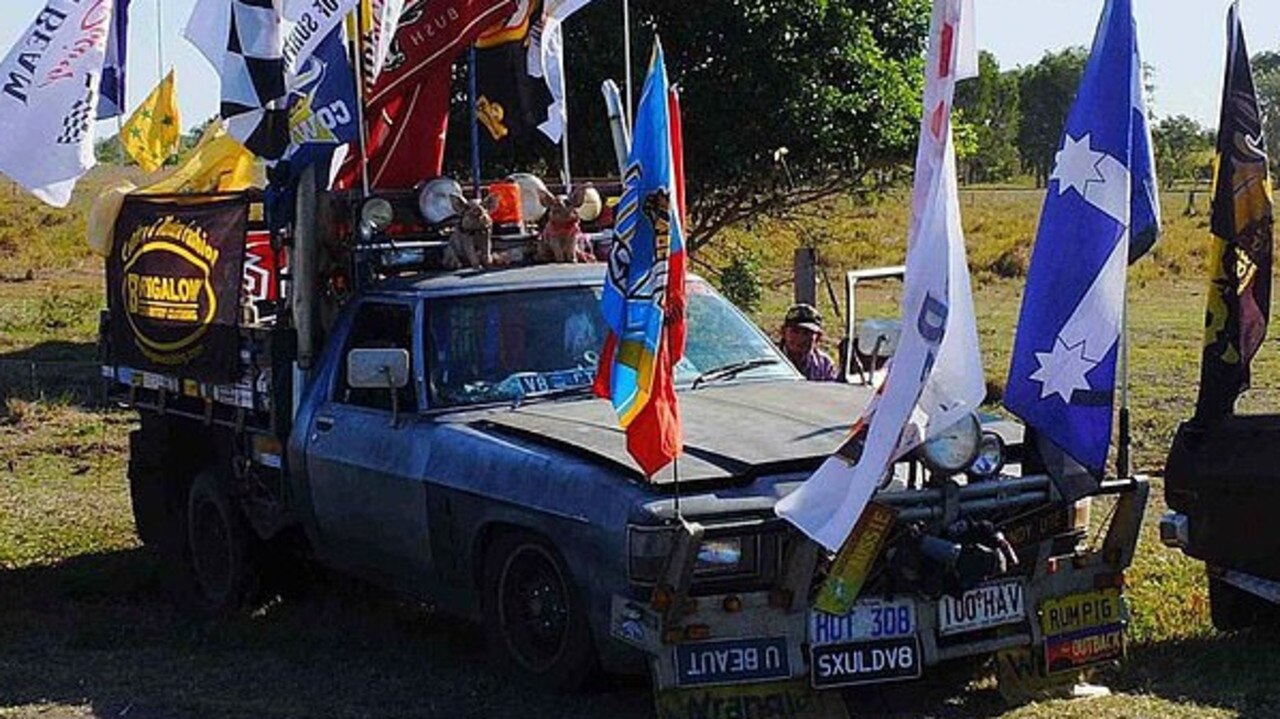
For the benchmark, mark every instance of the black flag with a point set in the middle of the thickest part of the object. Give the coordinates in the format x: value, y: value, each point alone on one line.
x: 1241, y: 253
x: 511, y: 103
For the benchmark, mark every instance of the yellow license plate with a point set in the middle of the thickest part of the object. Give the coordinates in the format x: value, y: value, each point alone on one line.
x: 1076, y: 612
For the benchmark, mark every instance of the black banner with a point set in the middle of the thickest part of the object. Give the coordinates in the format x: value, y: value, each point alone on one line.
x: 511, y: 103
x: 1239, y: 300
x: 174, y: 280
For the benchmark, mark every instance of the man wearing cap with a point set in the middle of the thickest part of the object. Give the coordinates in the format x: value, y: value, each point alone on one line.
x: 801, y: 331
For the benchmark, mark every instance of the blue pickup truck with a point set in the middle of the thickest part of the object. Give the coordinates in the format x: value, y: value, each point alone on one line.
x: 435, y: 433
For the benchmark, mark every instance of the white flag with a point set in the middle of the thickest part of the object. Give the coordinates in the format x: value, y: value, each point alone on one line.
x: 381, y: 20
x: 935, y: 377
x: 307, y: 22
x: 49, y: 86
x: 546, y: 60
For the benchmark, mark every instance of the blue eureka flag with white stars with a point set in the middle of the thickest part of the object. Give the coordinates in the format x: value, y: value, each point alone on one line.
x: 1100, y: 211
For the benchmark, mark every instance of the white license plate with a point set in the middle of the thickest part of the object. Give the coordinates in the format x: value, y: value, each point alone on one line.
x: 869, y: 619
x: 981, y: 607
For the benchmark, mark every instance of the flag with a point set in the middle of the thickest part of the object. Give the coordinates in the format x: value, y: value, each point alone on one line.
x: 935, y: 378
x: 510, y: 102
x: 1062, y: 376
x: 152, y: 134
x: 322, y: 104
x: 218, y: 163
x: 643, y: 301
x: 244, y: 41
x: 546, y: 60
x: 408, y: 107
x: 1240, y: 258
x: 308, y: 24
x: 380, y: 20
x: 49, y: 85
x: 112, y: 87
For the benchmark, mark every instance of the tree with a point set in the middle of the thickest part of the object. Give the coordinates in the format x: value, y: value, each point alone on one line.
x: 1046, y: 91
x: 1266, y: 78
x: 989, y: 104
x: 837, y: 82
x: 1180, y: 147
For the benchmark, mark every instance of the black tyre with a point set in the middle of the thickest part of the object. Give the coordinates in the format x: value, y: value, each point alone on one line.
x: 219, y: 561
x: 535, y: 618
x: 1232, y: 608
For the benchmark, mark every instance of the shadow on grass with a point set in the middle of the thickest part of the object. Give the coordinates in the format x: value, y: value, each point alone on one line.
x: 1238, y: 672
x: 54, y: 370
x: 98, y: 630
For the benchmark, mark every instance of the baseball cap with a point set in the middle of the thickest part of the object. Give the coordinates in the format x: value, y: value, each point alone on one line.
x: 804, y: 316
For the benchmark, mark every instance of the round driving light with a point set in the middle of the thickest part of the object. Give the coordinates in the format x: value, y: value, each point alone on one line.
x: 990, y: 459
x: 435, y: 202
x: 377, y: 214
x: 592, y: 205
x: 955, y: 448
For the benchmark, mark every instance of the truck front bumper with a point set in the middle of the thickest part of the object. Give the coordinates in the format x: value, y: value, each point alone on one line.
x: 1072, y: 615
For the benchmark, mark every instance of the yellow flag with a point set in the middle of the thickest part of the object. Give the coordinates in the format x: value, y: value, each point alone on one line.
x: 152, y: 133
x: 219, y: 163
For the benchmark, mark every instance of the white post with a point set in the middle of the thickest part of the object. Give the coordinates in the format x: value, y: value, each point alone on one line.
x: 626, y: 51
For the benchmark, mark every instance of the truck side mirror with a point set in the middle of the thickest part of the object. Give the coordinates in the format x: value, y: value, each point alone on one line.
x: 379, y: 368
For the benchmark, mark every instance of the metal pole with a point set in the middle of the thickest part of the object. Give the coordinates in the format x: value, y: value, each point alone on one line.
x: 1124, y: 463
x: 355, y: 47
x: 473, y: 96
x: 564, y: 149
x: 159, y: 43
x: 626, y: 51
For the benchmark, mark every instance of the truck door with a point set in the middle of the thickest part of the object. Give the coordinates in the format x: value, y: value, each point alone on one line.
x: 367, y: 471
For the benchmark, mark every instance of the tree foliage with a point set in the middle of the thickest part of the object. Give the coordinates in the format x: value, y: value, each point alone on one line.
x: 989, y: 105
x: 837, y: 82
x: 1046, y: 91
x: 1266, y: 78
x: 1183, y: 149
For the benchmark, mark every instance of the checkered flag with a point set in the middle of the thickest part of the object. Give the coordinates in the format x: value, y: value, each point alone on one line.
x: 254, y: 98
x: 75, y: 124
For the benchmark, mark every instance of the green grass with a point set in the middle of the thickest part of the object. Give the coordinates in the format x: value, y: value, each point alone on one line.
x: 85, y: 629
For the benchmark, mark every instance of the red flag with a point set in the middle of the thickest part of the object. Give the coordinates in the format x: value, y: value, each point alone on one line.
x: 407, y: 109
x: 676, y: 302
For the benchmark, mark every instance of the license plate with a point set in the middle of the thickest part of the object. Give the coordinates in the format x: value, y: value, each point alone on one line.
x: 981, y: 607
x: 732, y: 661
x: 868, y: 619
x: 1084, y: 647
x: 775, y: 700
x: 1063, y: 615
x: 868, y: 662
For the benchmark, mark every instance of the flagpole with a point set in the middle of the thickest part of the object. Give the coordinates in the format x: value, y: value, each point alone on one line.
x: 357, y: 67
x: 473, y: 97
x: 564, y: 150
x: 159, y: 43
x: 1124, y: 464
x: 626, y: 51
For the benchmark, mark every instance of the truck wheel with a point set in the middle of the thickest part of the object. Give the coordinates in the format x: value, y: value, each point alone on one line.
x: 535, y: 618
x: 1233, y: 608
x: 218, y: 548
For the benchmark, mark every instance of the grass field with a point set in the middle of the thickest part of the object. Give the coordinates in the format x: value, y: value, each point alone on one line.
x: 85, y: 630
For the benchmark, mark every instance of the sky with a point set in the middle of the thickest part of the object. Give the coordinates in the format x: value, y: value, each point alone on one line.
x: 1184, y: 40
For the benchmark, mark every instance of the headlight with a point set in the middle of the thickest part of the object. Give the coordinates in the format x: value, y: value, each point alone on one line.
x: 990, y: 459
x: 954, y: 449
x: 649, y: 547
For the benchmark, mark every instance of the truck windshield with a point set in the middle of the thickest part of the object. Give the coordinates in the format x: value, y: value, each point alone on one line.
x: 520, y: 345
